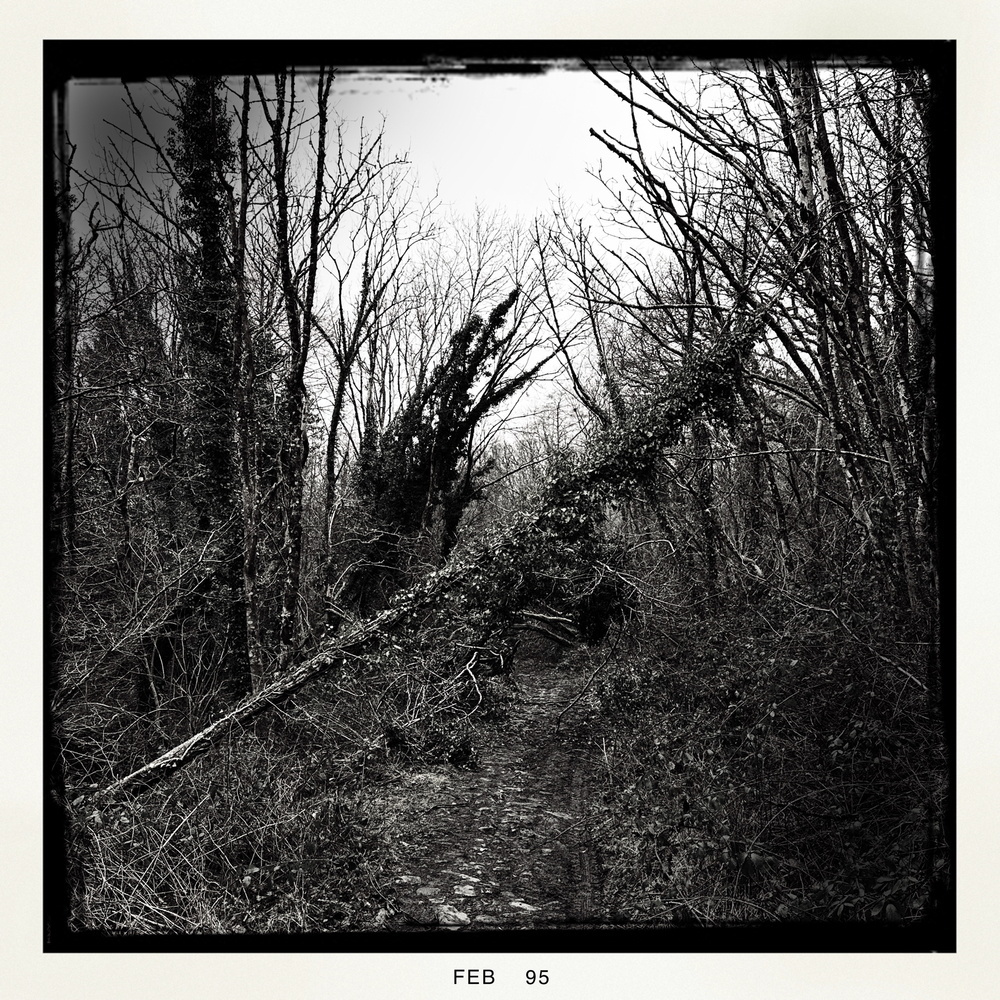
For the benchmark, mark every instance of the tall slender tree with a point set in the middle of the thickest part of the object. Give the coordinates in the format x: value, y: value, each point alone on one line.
x: 204, y: 154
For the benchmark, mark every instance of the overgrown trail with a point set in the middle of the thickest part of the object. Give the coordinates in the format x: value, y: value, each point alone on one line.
x: 508, y: 844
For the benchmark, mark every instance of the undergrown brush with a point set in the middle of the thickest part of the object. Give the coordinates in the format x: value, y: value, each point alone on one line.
x: 435, y: 688
x: 773, y: 763
x: 278, y: 829
x: 267, y: 834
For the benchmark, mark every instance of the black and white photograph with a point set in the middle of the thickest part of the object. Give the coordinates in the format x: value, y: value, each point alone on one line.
x: 499, y: 497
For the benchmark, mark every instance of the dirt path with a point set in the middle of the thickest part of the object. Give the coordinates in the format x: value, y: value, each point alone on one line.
x: 509, y: 844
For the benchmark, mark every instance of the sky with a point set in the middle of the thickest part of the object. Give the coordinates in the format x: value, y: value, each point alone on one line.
x: 506, y: 142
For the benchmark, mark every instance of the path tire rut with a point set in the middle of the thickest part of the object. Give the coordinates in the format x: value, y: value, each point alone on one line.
x: 509, y: 844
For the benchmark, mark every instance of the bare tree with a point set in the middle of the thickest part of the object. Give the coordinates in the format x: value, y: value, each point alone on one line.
x: 431, y: 392
x: 336, y: 184
x: 810, y: 198
x: 390, y: 228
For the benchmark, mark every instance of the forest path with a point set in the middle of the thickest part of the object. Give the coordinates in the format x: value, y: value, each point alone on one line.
x: 508, y: 844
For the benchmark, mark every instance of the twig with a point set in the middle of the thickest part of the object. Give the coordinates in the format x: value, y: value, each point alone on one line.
x: 583, y: 690
x: 885, y: 659
x: 562, y: 833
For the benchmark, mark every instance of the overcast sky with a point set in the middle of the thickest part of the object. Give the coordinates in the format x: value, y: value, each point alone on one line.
x: 508, y: 142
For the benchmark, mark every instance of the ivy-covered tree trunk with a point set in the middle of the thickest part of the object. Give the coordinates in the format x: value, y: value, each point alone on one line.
x: 705, y: 499
x: 419, y: 474
x: 62, y: 416
x: 203, y: 155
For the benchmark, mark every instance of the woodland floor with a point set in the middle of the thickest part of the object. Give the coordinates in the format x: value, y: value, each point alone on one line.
x: 507, y: 844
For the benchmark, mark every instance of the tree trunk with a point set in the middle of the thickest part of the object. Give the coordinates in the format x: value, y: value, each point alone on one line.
x: 292, y: 548
x: 299, y: 315
x: 247, y: 429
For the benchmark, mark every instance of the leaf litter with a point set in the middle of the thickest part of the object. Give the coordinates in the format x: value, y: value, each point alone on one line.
x: 520, y: 822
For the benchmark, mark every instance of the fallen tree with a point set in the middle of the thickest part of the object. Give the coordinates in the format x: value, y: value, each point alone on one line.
x: 505, y: 577
x: 349, y: 645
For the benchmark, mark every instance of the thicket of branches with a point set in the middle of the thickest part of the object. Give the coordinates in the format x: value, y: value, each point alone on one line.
x: 285, y: 472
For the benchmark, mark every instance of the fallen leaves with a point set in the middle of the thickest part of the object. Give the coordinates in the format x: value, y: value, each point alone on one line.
x: 448, y: 916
